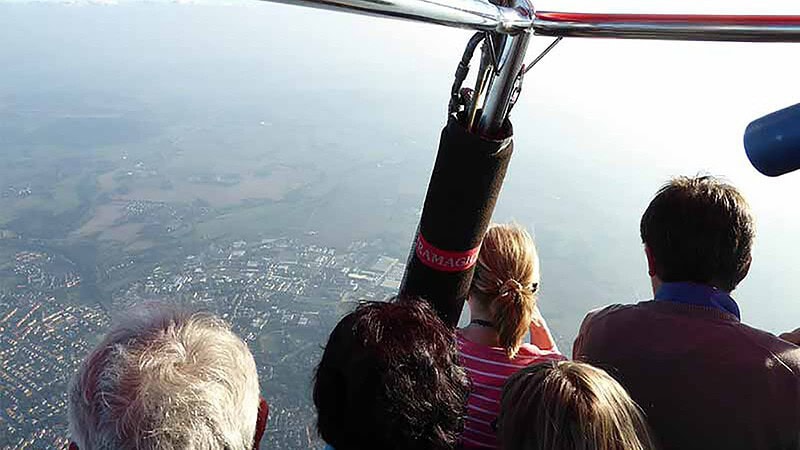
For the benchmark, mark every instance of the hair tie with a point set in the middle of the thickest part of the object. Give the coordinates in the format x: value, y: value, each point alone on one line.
x: 510, y: 286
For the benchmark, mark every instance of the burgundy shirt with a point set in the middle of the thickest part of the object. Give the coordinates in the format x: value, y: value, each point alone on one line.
x: 703, y: 379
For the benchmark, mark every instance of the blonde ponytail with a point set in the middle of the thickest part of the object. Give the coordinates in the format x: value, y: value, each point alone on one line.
x: 505, y: 281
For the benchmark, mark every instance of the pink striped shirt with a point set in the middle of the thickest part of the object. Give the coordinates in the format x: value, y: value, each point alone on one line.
x: 488, y: 368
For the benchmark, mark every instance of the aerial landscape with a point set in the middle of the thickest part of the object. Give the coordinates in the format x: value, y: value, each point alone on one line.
x: 106, y: 224
x: 92, y: 226
x: 106, y: 202
x: 276, y: 178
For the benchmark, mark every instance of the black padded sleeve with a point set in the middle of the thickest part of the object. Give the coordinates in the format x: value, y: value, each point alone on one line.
x: 462, y: 193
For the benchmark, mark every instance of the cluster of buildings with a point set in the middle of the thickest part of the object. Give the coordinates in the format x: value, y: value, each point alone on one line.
x: 41, y: 343
x: 281, y: 295
x: 164, y: 217
x: 31, y: 267
x: 16, y: 192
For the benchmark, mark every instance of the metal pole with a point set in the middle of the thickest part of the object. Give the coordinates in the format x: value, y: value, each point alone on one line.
x: 684, y: 27
x: 498, y: 98
x: 484, y: 16
x: 472, y: 14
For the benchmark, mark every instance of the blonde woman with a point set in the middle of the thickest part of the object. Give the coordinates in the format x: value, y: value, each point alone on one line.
x: 502, y: 304
x: 569, y: 406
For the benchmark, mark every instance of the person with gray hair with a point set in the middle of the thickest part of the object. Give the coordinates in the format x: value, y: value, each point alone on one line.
x: 167, y: 379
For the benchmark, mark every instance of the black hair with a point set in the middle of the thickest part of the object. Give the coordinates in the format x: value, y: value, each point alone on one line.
x: 390, y: 378
x: 700, y: 230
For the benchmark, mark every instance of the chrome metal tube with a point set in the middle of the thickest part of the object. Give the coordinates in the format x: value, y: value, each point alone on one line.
x: 471, y: 14
x: 498, y: 98
x: 485, y: 16
x: 669, y: 27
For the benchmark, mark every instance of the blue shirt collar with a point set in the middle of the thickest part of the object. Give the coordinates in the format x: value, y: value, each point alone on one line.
x: 698, y: 295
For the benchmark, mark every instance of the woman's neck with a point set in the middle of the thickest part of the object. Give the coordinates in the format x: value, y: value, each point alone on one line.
x: 479, y: 333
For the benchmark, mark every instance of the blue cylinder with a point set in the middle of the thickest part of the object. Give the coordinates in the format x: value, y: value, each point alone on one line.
x: 772, y: 143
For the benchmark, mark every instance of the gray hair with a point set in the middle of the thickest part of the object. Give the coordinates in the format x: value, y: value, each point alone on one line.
x: 166, y: 379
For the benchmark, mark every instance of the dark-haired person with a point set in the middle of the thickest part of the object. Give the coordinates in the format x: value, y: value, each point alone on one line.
x: 704, y: 379
x: 167, y: 379
x: 502, y: 304
x: 389, y: 379
x: 569, y: 405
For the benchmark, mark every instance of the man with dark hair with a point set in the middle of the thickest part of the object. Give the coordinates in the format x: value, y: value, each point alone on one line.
x: 704, y: 379
x: 389, y: 378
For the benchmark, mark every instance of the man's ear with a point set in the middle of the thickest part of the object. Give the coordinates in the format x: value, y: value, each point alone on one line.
x: 651, y: 261
x: 261, y: 423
